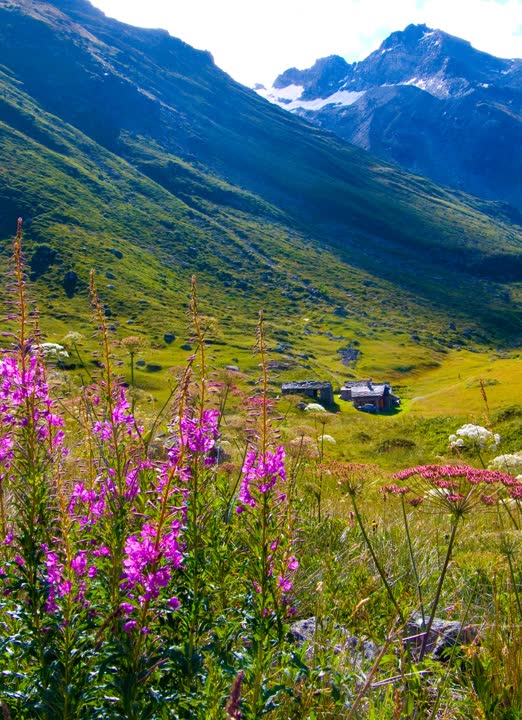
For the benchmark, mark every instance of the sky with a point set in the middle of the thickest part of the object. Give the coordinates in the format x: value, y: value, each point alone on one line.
x: 256, y: 40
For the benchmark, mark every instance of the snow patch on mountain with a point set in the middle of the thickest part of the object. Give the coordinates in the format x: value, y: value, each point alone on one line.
x: 289, y: 98
x: 439, y: 86
x: 280, y: 96
x: 433, y: 85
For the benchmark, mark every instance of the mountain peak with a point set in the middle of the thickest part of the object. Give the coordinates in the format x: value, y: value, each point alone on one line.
x: 409, y: 37
x: 414, y: 101
x: 323, y: 75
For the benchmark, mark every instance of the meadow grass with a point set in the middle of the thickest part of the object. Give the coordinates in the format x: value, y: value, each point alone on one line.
x: 155, y: 558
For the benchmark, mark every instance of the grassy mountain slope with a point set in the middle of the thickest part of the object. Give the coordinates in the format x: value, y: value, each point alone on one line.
x: 117, y: 141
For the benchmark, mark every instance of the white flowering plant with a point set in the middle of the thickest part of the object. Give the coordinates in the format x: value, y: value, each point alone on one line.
x: 474, y: 437
x: 53, y: 351
x: 508, y: 463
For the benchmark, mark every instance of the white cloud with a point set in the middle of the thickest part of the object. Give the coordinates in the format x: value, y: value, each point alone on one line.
x: 255, y: 41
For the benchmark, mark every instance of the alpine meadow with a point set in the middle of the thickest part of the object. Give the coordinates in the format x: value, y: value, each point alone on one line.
x: 260, y: 389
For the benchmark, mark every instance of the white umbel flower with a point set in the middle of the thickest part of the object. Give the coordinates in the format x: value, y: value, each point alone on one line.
x: 509, y: 463
x: 469, y: 435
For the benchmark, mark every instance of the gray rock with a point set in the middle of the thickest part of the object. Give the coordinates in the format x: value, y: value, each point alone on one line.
x: 355, y: 649
x: 443, y: 636
x: 153, y: 367
x: 70, y: 283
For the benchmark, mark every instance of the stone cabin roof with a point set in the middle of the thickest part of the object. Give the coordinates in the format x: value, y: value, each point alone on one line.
x: 306, y: 385
x: 370, y: 390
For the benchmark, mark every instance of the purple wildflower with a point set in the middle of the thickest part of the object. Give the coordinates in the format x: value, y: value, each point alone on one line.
x: 79, y: 563
x: 200, y: 435
x: 149, y: 560
x: 285, y: 584
x: 261, y: 473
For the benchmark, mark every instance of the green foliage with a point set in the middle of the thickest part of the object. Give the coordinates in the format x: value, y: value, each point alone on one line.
x: 267, y: 210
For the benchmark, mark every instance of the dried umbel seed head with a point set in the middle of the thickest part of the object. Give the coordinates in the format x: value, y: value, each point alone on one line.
x: 351, y: 476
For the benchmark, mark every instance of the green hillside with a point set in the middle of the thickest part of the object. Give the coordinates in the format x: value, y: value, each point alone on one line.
x: 129, y: 152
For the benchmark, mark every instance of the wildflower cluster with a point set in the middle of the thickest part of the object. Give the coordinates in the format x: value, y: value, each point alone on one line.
x: 351, y: 477
x: 457, y: 488
x: 23, y: 385
x: 474, y: 436
x: 510, y: 463
x: 260, y: 474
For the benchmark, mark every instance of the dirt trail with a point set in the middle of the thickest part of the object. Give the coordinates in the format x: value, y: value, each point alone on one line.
x: 438, y: 392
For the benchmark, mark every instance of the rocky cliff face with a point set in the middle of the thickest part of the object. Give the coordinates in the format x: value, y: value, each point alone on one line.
x: 425, y: 100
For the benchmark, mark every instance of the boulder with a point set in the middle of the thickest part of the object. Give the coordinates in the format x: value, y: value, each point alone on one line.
x: 314, y: 407
x: 355, y: 649
x: 444, y: 635
x: 70, y: 283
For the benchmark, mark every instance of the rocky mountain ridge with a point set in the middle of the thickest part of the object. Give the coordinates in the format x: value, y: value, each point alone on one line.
x: 426, y: 100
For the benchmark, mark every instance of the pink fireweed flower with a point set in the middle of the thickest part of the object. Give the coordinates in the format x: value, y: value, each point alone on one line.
x: 260, y: 474
x: 149, y: 561
x: 200, y: 435
x: 6, y: 450
x: 173, y: 603
x: 285, y: 584
x: 79, y: 563
x: 120, y: 422
x: 293, y: 563
x: 127, y: 608
x: 102, y: 551
x: 120, y: 413
x: 58, y: 584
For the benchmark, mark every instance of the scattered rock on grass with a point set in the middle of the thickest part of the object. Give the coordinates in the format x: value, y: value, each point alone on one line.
x: 314, y: 407
x: 444, y: 635
x: 355, y: 649
x: 70, y: 283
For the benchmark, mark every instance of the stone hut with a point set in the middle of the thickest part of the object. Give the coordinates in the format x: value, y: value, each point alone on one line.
x: 366, y: 392
x: 315, y: 389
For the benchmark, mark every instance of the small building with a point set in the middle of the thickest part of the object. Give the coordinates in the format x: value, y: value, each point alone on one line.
x: 311, y: 388
x: 378, y: 395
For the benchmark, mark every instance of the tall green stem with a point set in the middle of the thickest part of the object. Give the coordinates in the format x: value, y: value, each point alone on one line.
x: 412, y: 559
x: 379, y: 567
x: 455, y: 522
